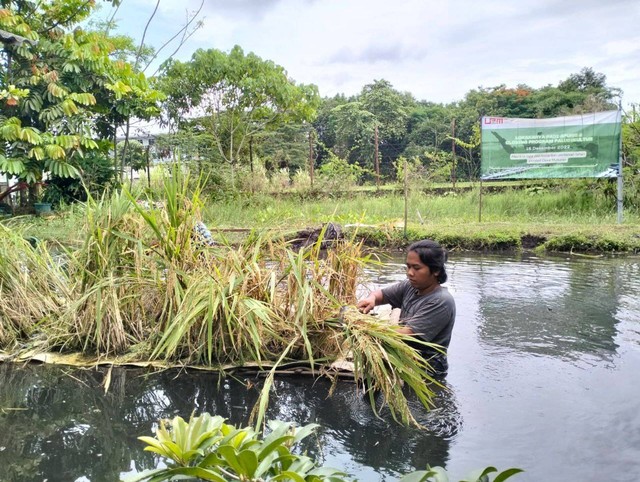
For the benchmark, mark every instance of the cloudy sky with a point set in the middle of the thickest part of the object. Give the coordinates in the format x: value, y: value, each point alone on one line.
x: 436, y: 49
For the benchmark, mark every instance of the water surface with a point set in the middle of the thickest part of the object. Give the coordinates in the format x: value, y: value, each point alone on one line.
x: 544, y: 375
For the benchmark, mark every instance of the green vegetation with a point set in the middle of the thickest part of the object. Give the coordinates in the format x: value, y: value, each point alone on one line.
x: 206, y: 448
x: 116, y: 275
x: 243, y: 124
x: 548, y: 216
x: 61, y: 88
x: 140, y: 284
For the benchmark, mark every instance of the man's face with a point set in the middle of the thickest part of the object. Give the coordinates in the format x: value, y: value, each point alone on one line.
x: 419, y: 274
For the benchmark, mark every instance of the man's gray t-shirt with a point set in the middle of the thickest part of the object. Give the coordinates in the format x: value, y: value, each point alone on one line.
x: 429, y: 316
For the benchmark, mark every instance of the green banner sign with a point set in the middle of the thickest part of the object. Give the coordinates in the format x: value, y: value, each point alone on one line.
x: 576, y: 146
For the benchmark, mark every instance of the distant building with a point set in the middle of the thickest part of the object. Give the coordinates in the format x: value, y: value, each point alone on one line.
x: 9, y: 38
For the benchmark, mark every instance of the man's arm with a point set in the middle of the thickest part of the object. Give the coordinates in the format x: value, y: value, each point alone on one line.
x: 365, y: 305
x: 375, y: 298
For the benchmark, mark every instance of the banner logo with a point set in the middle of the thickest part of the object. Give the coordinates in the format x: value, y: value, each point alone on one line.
x: 493, y: 120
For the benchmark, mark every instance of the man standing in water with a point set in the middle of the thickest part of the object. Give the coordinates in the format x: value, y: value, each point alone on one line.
x: 428, y: 311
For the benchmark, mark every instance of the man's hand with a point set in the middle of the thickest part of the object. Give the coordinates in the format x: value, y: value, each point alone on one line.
x: 365, y: 305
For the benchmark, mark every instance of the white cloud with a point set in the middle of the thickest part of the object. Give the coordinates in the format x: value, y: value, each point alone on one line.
x: 436, y: 50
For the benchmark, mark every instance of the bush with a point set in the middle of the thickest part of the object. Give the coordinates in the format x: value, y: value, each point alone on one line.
x: 207, y: 448
x: 338, y: 174
x: 302, y: 181
x: 279, y: 180
x: 253, y: 181
x: 97, y: 175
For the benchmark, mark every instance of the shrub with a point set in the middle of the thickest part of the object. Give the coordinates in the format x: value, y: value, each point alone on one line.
x: 338, y: 174
x: 207, y: 448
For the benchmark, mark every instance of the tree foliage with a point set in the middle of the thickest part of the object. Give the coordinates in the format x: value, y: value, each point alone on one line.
x: 235, y: 96
x: 59, y: 88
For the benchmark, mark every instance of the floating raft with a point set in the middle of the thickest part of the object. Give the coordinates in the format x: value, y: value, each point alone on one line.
x: 340, y: 368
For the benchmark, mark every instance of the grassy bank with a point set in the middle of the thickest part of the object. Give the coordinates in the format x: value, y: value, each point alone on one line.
x: 544, y: 218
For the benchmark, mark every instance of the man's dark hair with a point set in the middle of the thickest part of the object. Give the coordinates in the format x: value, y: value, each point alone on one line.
x: 433, y: 255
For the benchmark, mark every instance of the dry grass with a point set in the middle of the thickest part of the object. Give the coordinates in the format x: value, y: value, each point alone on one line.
x: 141, y: 284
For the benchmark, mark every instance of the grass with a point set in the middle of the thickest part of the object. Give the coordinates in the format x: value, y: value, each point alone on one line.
x: 134, y: 283
x: 113, y: 278
x: 548, y: 217
x: 566, y: 206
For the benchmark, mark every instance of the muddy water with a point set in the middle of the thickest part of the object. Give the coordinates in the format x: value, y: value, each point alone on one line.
x: 544, y: 375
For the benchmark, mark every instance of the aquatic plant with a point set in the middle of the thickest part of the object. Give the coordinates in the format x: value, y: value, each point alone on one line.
x: 207, y: 448
x: 141, y: 285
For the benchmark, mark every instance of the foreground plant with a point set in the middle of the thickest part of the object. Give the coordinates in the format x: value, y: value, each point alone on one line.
x: 206, y: 448
x: 439, y: 474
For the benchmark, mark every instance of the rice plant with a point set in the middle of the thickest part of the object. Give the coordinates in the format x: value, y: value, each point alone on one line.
x: 383, y: 362
x: 142, y: 285
x: 34, y: 287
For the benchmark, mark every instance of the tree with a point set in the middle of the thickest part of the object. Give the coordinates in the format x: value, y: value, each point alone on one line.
x: 325, y: 125
x: 388, y: 107
x: 236, y: 96
x: 285, y: 147
x: 141, y: 58
x: 134, y: 156
x: 391, y: 111
x: 54, y: 89
x: 585, y: 81
x: 355, y: 127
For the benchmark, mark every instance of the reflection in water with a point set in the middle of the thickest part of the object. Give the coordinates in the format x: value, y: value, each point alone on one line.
x: 59, y: 425
x: 541, y: 347
x: 554, y: 308
x: 551, y: 308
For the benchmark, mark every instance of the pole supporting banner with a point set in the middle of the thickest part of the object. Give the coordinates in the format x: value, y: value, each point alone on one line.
x: 620, y: 200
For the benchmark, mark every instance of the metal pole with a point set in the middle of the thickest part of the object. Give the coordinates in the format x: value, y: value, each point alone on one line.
x: 480, y: 197
x: 377, y: 161
x: 406, y: 198
x: 148, y: 167
x: 620, y: 198
x: 453, y: 153
x: 311, y: 160
x: 480, y: 202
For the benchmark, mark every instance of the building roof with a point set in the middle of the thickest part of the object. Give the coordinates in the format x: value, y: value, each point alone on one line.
x: 12, y: 38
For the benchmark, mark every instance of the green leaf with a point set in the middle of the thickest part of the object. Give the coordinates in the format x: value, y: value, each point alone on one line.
x: 54, y: 152
x: 31, y: 135
x: 432, y: 474
x: 36, y: 153
x: 145, y: 475
x: 249, y: 461
x: 229, y: 454
x: 480, y: 475
x: 200, y: 472
x: 11, y: 166
x: 273, y: 445
x: 266, y: 464
x: 505, y: 474
x: 305, y: 431
x: 289, y: 475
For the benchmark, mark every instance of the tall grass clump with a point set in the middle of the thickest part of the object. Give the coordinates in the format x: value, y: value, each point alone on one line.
x: 113, y: 285
x: 142, y: 284
x: 34, y: 287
